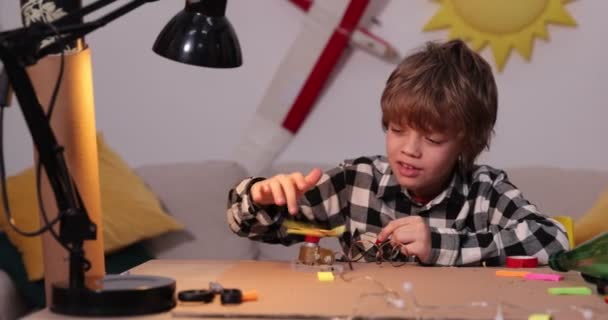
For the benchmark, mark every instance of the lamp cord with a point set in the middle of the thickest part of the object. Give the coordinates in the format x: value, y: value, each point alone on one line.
x: 48, y: 224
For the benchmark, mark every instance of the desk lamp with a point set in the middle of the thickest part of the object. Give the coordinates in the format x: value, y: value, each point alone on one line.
x: 5, y: 90
x: 198, y: 35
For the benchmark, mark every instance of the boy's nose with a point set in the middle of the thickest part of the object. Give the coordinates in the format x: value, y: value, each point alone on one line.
x: 411, y: 147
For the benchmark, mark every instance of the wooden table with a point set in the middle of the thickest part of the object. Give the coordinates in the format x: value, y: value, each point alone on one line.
x: 370, y: 290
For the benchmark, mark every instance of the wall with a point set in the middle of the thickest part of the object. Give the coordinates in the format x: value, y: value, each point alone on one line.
x: 151, y: 110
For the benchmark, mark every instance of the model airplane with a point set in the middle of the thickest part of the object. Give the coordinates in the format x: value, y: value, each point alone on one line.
x: 362, y: 38
x: 328, y: 29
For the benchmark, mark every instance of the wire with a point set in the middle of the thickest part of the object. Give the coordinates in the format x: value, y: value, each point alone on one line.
x: 5, y: 200
x: 67, y: 180
x: 48, y: 224
x: 391, y: 297
x: 399, y: 301
x: 7, y: 211
x: 49, y: 115
x: 370, y: 251
x: 373, y: 251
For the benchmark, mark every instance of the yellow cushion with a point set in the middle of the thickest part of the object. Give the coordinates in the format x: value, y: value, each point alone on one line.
x: 566, y: 221
x: 594, y: 222
x: 130, y: 211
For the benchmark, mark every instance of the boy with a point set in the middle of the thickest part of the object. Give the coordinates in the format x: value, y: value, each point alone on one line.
x: 426, y: 196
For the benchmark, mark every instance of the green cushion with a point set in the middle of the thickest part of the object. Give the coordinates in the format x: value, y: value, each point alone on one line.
x: 12, y: 264
x: 33, y: 291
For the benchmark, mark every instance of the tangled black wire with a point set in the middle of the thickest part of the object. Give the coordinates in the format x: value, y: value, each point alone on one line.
x: 379, y: 252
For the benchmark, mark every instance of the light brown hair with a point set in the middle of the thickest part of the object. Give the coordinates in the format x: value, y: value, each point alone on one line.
x: 446, y: 88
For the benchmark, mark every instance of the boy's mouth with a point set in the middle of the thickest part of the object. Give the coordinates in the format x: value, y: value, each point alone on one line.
x: 408, y: 170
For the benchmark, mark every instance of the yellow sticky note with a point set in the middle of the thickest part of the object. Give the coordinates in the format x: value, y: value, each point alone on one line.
x: 539, y: 316
x: 325, y: 276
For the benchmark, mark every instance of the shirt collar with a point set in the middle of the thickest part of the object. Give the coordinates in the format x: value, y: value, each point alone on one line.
x: 388, y: 186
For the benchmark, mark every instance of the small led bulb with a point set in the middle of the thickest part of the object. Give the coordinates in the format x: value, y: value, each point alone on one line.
x: 408, y: 286
x: 586, y: 313
x: 499, y: 314
x: 395, y: 302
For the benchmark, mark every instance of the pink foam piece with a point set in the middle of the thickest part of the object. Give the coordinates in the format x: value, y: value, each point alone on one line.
x: 543, y: 276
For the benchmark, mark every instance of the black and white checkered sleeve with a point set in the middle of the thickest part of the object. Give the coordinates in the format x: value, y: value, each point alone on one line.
x: 321, y: 205
x: 501, y: 223
x: 247, y: 219
x: 325, y: 204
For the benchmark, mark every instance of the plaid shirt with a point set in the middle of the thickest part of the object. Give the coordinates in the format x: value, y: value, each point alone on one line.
x: 479, y: 217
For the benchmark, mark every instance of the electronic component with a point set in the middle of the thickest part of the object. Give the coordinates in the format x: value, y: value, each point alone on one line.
x: 196, y: 296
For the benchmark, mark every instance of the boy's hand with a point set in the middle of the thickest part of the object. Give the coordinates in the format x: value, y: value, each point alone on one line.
x: 412, y: 233
x: 284, y: 188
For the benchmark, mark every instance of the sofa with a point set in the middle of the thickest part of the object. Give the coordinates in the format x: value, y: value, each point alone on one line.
x: 195, y: 194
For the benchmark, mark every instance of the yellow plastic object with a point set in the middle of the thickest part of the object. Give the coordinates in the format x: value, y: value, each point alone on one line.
x: 593, y: 222
x: 325, y: 276
x: 539, y: 316
x: 569, y: 225
x: 308, y: 229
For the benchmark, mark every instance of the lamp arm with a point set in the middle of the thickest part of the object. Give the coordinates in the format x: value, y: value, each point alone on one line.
x: 75, y: 226
x: 26, y: 40
x: 74, y: 32
x: 20, y: 48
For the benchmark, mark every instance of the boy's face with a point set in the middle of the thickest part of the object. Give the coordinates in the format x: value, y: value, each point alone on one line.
x: 421, y: 162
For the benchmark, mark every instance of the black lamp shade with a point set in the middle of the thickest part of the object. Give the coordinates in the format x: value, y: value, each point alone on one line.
x: 200, y: 35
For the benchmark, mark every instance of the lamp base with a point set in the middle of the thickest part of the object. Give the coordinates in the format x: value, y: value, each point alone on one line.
x: 117, y: 295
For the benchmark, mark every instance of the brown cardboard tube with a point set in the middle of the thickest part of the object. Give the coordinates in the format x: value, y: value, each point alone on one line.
x: 73, y: 122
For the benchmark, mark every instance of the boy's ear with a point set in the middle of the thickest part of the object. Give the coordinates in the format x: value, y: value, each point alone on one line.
x: 464, y: 163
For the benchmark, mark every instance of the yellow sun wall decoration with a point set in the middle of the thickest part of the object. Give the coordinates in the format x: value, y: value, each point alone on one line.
x: 503, y: 24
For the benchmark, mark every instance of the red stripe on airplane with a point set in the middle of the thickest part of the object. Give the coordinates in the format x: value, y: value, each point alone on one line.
x: 303, y: 4
x: 375, y: 37
x: 324, y: 65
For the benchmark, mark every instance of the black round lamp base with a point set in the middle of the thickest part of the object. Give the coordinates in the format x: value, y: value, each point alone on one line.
x: 118, y: 295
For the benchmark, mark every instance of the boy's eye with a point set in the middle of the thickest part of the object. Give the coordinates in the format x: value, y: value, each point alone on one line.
x: 396, y: 129
x: 433, y: 140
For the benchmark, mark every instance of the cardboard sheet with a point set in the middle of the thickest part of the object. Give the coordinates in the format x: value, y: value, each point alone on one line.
x: 438, y: 293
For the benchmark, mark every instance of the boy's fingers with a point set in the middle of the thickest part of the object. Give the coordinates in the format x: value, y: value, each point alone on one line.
x: 266, y: 192
x: 405, y: 234
x: 289, y: 191
x: 313, y: 177
x: 299, y: 180
x: 256, y: 194
x: 384, y: 233
x: 391, y: 227
x: 277, y: 192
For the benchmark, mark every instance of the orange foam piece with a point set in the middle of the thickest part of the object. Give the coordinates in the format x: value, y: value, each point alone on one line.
x: 508, y: 273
